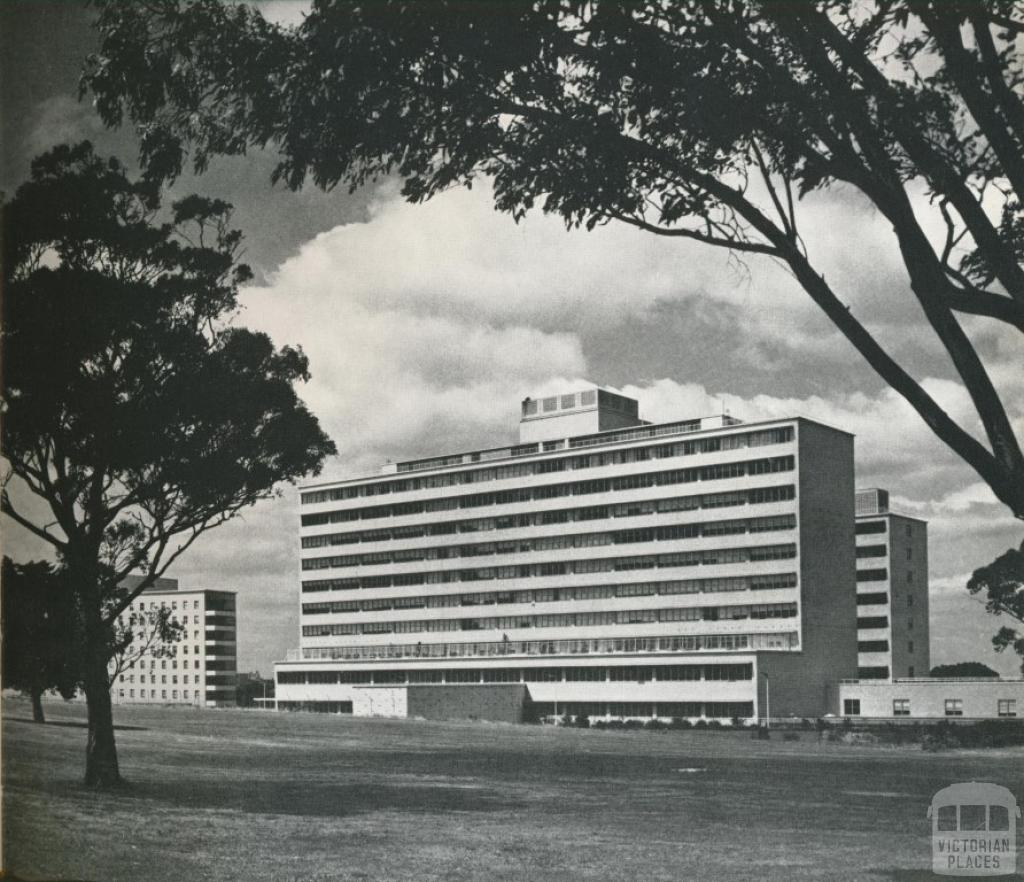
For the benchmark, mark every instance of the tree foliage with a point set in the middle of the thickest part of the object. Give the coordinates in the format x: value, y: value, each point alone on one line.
x: 963, y: 669
x: 40, y: 633
x: 1002, y: 582
x: 136, y: 413
x: 689, y: 119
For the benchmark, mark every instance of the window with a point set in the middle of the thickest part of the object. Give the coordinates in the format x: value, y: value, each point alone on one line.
x: 872, y: 646
x: 1007, y: 707
x: 910, y: 646
x: 851, y: 707
x: 877, y: 575
x: 871, y: 551
x: 998, y: 817
x: 910, y: 600
x: 954, y: 707
x: 873, y: 622
x: 869, y: 527
x: 901, y: 707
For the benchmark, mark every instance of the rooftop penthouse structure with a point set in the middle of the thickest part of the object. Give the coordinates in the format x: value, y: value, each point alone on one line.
x: 698, y: 568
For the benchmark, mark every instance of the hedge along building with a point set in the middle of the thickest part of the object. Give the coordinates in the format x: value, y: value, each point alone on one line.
x: 700, y: 569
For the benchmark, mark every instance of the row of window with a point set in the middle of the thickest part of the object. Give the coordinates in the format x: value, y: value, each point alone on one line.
x: 738, y: 441
x: 185, y: 694
x: 163, y: 678
x: 953, y: 707
x: 596, y: 674
x: 141, y: 663
x: 518, y: 495
x: 491, y: 649
x: 755, y: 496
x: 163, y: 604
x: 540, y: 595
x: 668, y: 533
x: 867, y: 527
x: 562, y: 620
x: 711, y: 710
x: 705, y: 557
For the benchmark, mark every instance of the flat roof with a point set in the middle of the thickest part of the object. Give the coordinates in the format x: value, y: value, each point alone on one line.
x: 647, y: 432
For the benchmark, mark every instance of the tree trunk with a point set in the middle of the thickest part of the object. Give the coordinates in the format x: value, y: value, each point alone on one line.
x: 36, y: 694
x: 101, y: 768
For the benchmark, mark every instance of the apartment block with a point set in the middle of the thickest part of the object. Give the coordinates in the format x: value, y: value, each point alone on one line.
x: 892, y: 591
x: 701, y: 568
x: 198, y: 669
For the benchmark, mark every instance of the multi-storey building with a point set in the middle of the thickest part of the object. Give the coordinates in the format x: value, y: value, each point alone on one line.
x: 200, y: 668
x: 892, y: 591
x: 702, y: 569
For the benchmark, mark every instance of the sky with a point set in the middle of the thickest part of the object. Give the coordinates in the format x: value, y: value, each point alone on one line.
x: 426, y: 325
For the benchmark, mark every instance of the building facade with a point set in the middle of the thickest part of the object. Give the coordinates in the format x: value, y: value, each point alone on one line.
x: 892, y: 591
x: 933, y: 698
x: 200, y: 668
x: 700, y: 569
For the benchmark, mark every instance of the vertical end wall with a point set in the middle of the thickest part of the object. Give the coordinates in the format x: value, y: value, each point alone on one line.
x: 805, y: 683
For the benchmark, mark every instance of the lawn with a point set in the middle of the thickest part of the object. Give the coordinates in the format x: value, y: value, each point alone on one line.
x: 249, y: 795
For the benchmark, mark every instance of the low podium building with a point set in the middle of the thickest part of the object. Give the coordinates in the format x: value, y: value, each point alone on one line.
x: 701, y: 569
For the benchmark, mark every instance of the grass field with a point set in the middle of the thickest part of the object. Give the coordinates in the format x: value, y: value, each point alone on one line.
x: 246, y: 795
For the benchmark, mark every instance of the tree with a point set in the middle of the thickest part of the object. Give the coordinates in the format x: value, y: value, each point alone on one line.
x: 1003, y: 584
x: 135, y: 412
x: 151, y: 633
x: 39, y: 632
x: 963, y: 669
x: 688, y: 119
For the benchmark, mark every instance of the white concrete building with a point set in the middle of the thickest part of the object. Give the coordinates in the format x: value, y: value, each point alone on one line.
x: 700, y: 568
x: 892, y: 591
x: 201, y: 667
x: 933, y: 698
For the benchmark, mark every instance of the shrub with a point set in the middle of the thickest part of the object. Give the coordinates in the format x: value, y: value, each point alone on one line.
x: 680, y: 723
x: 582, y: 722
x: 701, y: 724
x: 655, y: 724
x: 714, y: 724
x: 790, y: 736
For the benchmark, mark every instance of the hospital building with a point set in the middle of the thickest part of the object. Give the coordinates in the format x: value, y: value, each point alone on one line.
x: 704, y: 568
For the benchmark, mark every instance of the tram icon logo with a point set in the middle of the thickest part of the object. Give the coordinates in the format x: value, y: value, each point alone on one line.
x: 974, y: 830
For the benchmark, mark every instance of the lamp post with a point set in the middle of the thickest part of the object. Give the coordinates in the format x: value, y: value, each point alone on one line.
x: 767, y: 700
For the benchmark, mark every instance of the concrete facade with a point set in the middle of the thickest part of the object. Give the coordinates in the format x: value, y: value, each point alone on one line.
x: 892, y: 591
x: 200, y: 669
x: 933, y: 698
x: 692, y: 569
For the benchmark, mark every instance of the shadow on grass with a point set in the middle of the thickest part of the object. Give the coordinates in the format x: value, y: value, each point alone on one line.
x: 917, y: 875
x: 10, y: 877
x: 71, y: 724
x: 319, y: 800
